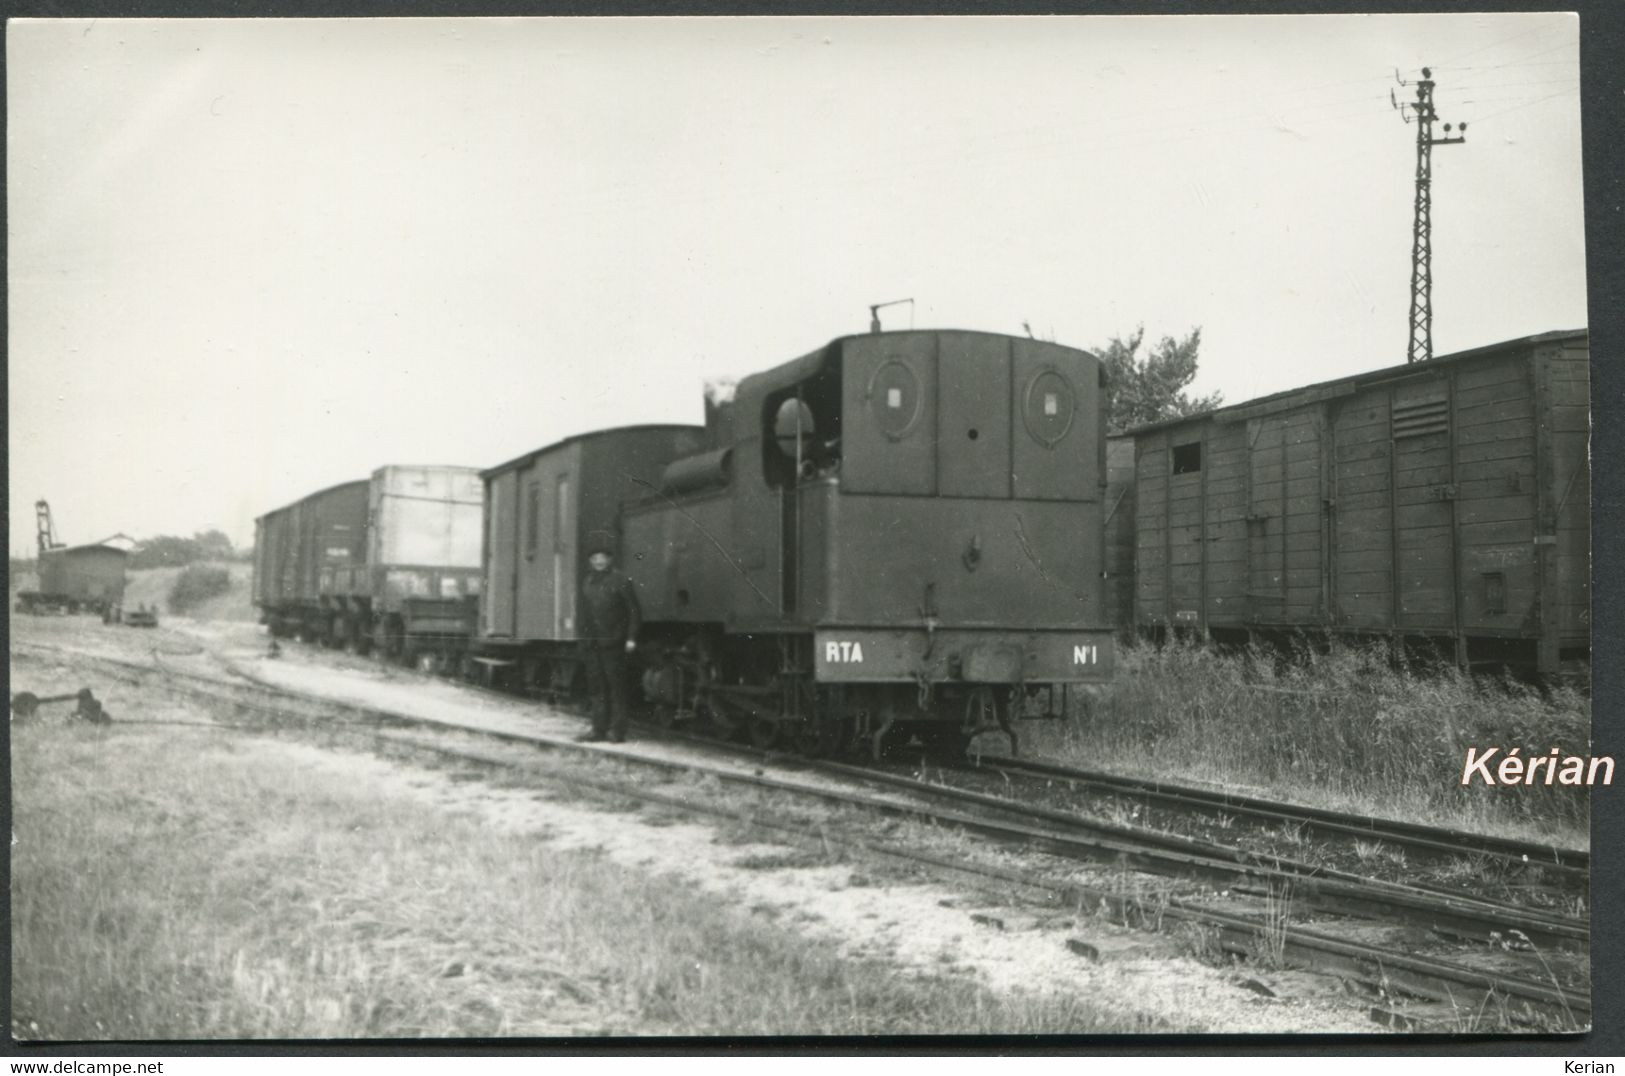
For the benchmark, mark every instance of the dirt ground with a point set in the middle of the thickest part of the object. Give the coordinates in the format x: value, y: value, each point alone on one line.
x: 925, y: 928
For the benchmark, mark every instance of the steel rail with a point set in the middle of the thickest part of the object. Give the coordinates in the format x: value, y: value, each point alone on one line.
x: 1340, y: 891
x: 1424, y: 977
x: 1447, y: 912
x: 1378, y: 968
x: 1142, y: 849
x: 1440, y: 840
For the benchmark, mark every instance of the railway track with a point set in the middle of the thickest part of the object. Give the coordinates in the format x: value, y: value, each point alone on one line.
x: 1312, y: 885
x: 1422, y: 840
x: 1241, y: 916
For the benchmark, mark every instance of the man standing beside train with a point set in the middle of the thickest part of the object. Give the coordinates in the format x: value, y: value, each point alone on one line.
x: 610, y: 619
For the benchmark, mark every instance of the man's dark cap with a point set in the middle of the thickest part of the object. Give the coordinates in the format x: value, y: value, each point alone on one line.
x: 600, y: 542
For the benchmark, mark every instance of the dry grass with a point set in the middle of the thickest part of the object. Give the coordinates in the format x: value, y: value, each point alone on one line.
x: 1344, y: 730
x: 187, y: 885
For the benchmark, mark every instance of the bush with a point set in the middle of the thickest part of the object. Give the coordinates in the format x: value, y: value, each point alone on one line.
x: 197, y: 584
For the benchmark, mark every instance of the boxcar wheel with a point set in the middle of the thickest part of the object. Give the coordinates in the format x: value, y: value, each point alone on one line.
x: 393, y: 643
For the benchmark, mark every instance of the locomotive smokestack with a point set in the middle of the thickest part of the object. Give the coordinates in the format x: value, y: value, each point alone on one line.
x: 719, y: 397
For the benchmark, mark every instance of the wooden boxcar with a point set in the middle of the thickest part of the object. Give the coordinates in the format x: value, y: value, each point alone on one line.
x: 539, y: 510
x: 1445, y: 501
x: 292, y: 546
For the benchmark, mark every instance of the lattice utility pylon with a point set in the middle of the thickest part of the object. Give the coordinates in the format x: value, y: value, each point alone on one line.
x: 1421, y: 345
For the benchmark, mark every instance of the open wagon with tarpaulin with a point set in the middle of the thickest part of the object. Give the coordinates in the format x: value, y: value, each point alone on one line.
x: 392, y: 562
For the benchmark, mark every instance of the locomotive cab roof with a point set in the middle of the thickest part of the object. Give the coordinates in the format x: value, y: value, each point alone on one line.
x: 808, y: 419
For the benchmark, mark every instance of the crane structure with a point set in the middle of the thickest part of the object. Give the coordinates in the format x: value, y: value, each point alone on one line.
x: 42, y: 517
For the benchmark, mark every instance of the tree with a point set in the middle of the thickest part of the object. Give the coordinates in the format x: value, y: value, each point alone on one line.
x: 1151, y: 388
x: 169, y: 550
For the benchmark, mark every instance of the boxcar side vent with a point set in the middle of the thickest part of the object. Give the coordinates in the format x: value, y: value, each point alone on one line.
x: 1417, y: 418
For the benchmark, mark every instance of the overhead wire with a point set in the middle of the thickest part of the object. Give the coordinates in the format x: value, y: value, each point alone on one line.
x: 1468, y: 88
x: 1123, y: 134
x: 1542, y: 28
x: 1525, y: 62
x: 1526, y: 104
x: 1054, y: 135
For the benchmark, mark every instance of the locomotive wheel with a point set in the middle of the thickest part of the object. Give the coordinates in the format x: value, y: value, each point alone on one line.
x: 726, y: 725
x: 809, y: 738
x: 764, y: 729
x: 824, y: 733
x: 823, y: 737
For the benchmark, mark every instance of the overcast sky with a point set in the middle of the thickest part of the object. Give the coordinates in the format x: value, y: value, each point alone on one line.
x: 251, y: 259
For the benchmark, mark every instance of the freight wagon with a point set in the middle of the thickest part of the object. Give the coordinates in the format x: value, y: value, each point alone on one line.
x: 391, y: 563
x: 81, y: 578
x: 539, y: 510
x: 1443, y: 503
x: 293, y: 544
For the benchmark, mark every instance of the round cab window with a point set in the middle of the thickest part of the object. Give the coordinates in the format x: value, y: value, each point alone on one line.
x: 894, y: 398
x: 793, y: 422
x: 1050, y: 407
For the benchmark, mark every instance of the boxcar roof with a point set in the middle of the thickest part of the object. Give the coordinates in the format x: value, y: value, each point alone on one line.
x: 424, y: 467
x: 520, y: 461
x: 89, y: 547
x: 1358, y: 380
x: 319, y: 493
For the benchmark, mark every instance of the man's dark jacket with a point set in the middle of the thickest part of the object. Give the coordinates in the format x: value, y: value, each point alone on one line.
x: 610, y: 614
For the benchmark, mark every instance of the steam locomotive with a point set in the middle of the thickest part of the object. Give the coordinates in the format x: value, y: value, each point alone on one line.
x: 898, y: 535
